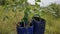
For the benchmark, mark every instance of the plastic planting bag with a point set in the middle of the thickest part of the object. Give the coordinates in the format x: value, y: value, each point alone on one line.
x: 39, y: 25
x: 22, y: 29
x: 30, y: 29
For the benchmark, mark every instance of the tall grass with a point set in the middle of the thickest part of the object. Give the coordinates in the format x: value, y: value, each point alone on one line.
x: 9, y: 19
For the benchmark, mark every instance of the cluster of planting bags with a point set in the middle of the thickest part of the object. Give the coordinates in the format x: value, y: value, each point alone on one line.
x: 37, y: 26
x: 22, y: 29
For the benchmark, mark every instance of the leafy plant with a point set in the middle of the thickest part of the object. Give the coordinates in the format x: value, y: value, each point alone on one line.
x: 52, y: 9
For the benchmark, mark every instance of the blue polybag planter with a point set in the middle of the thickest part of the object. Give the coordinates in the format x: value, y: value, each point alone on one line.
x: 24, y: 30
x: 39, y: 26
x: 30, y: 30
x: 21, y: 30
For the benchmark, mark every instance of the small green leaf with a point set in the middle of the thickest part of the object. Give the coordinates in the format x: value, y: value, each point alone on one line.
x: 37, y: 6
x: 37, y: 0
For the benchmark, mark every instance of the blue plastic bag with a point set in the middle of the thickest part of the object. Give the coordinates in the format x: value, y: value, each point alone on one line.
x: 39, y: 26
x: 30, y: 30
x: 23, y: 30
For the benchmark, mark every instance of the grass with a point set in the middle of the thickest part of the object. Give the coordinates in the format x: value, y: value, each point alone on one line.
x: 8, y: 21
x: 8, y: 25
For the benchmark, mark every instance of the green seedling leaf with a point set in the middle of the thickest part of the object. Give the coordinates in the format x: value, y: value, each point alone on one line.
x: 37, y: 0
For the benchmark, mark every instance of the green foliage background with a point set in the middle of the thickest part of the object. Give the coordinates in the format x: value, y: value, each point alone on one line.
x: 13, y: 11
